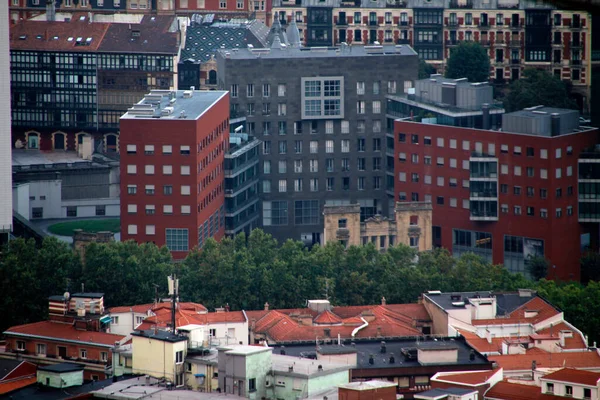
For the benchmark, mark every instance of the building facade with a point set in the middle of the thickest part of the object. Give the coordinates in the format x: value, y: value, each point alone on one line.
x: 322, y: 127
x: 516, y: 33
x: 503, y: 194
x: 75, y: 78
x: 5, y: 140
x: 172, y: 179
x: 410, y: 225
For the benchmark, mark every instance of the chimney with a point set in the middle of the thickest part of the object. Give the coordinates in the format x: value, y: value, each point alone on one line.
x: 371, y: 359
x: 383, y: 301
x: 383, y: 347
x: 392, y: 359
x: 485, y: 108
x: 227, y: 307
x: 50, y: 10
x: 282, y: 350
x: 267, y: 306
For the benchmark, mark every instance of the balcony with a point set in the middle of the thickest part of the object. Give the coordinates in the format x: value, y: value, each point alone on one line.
x: 516, y: 26
x: 452, y: 42
x: 342, y: 233
x: 482, y: 216
x: 484, y: 24
x: 373, y: 23
x: 500, y: 42
x: 402, y: 23
x: 461, y: 4
x: 575, y: 25
x: 508, y: 4
x: 452, y: 23
x: 341, y: 22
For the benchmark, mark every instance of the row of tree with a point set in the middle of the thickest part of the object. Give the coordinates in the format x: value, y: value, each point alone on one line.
x: 246, y: 272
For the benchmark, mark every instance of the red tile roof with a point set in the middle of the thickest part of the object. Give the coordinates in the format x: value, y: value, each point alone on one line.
x: 582, y: 359
x: 544, y: 311
x: 187, y: 317
x: 573, y: 375
x: 468, y: 378
x: 481, y: 344
x: 144, y: 308
x: 516, y: 391
x: 6, y: 387
x: 575, y: 342
x: 57, y: 331
x: 327, y: 318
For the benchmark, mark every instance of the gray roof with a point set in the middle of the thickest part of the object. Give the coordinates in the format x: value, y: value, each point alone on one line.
x: 320, y: 52
x: 6, y: 366
x: 506, y: 302
x: 62, y: 367
x: 202, y: 41
x: 160, y: 335
x: 398, y: 348
x: 183, y: 108
x: 435, y: 393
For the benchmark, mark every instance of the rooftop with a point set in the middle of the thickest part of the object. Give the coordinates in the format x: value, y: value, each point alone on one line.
x: 467, y: 378
x: 443, y: 393
x: 318, y: 52
x: 144, y: 308
x: 62, y: 367
x: 204, y: 39
x: 295, y: 366
x: 506, y: 302
x: 518, y: 362
x: 153, y: 35
x: 368, y: 385
x: 241, y: 350
x: 136, y: 389
x: 61, y: 331
x: 174, y: 105
x: 516, y: 391
x: 33, y: 392
x: 158, y: 334
x: 404, y: 352
x: 7, y: 366
x: 572, y: 375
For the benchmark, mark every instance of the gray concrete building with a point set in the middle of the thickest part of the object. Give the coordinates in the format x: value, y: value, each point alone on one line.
x: 320, y: 114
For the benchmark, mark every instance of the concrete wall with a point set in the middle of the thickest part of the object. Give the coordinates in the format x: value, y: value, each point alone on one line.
x: 323, y: 382
x: 438, y: 317
x: 423, y: 212
x: 345, y: 359
x: 230, y: 332
x: 20, y: 197
x: 51, y: 191
x: 155, y: 357
x: 206, y: 384
x: 6, y: 206
x: 63, y: 380
x: 126, y: 323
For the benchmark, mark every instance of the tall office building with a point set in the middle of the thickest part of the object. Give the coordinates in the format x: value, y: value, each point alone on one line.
x: 320, y: 114
x: 173, y: 146
x: 5, y: 142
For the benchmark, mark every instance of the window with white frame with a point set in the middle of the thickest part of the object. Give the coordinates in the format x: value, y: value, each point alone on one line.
x: 328, y: 146
x: 177, y: 240
x: 150, y: 230
x: 345, y: 127
x: 131, y: 208
x: 149, y: 169
x: 186, y: 210
x: 167, y: 149
x: 167, y: 209
x: 132, y: 229
x: 282, y: 186
x: 185, y: 190
x: 377, y: 107
x: 185, y: 170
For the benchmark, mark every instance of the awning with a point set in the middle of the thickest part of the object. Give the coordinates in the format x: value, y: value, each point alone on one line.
x: 105, y: 319
x: 199, y: 375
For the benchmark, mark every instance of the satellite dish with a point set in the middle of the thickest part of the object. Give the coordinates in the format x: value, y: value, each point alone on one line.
x: 66, y: 295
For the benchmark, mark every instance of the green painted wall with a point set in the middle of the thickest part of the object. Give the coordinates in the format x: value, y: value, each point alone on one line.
x: 258, y: 366
x: 56, y: 380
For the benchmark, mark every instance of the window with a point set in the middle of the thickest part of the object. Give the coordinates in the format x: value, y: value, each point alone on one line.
x: 402, y: 137
x: 314, y: 185
x: 185, y: 210
x: 149, y: 149
x: 415, y: 139
x: 298, y: 185
x: 558, y: 173
x: 184, y: 150
x: 345, y: 146
x: 314, y: 146
x: 131, y: 149
x: 282, y: 147
x: 314, y: 165
x: 150, y: 230
x: 185, y: 190
x: 530, y: 172
x: 41, y: 349
x: 329, y: 146
x: 517, y: 190
x: 103, y: 356
x: 558, y: 153
x: 402, y: 177
x: 549, y: 387
x: 177, y: 240
x: 250, y: 90
x: 531, y: 211
x: 330, y: 184
x: 131, y: 208
x: 131, y: 189
x: 167, y: 149
x: 440, y: 200
x: 360, y: 88
x: 544, y: 154
x: 266, y: 188
x: 131, y: 169
x: 275, y: 213
x: 179, y: 357
x: 414, y: 177
x: 345, y: 127
x: 414, y: 158
x: 234, y: 91
x: 20, y: 345
x: 504, y: 169
x: 440, y: 161
x: 517, y: 171
x: 360, y: 107
x: 427, y: 160
x: 377, y: 107
x: 150, y: 209
x: 282, y: 186
x: 530, y: 191
x: 517, y: 150
x: 517, y: 210
x: 453, y: 163
x: 587, y: 393
x: 376, y: 144
x: 282, y: 166
x: 71, y: 211
x: 306, y: 212
x: 544, y: 173
x: 281, y: 90
x: 266, y: 90
x: 466, y: 145
x: 440, y: 181
x: 252, y: 385
x: 167, y: 169
x: 149, y: 190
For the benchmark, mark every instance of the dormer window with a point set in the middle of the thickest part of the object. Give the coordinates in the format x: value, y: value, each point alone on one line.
x: 531, y: 313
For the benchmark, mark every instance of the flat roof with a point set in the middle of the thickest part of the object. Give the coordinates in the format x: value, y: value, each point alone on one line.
x: 281, y: 364
x: 368, y: 385
x: 160, y: 335
x: 366, y: 348
x: 158, y: 102
x: 62, y: 367
x: 318, y: 52
x: 241, y: 350
x: 22, y: 157
x: 505, y: 302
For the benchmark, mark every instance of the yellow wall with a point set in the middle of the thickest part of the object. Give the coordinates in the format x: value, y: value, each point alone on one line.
x: 156, y: 357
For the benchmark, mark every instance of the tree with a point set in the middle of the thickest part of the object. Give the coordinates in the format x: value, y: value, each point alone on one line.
x: 469, y: 60
x: 425, y: 69
x: 537, y: 267
x: 590, y: 267
x: 537, y: 87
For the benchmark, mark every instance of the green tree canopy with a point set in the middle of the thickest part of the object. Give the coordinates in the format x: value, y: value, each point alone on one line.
x: 469, y: 60
x: 537, y: 87
x: 425, y: 69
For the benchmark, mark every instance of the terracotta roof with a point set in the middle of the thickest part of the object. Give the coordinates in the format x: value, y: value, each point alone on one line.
x: 417, y: 311
x: 81, y: 35
x: 516, y: 391
x: 575, y: 342
x: 573, y: 375
x: 187, y: 317
x: 256, y: 314
x: 144, y: 308
x: 327, y: 318
x: 536, y: 350
x: 582, y: 359
x: 481, y: 344
x: 468, y: 378
x: 57, y: 331
x: 6, y: 387
x: 543, y: 308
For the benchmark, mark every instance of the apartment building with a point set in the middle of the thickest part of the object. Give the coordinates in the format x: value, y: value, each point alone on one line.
x: 322, y: 125
x: 75, y: 77
x: 516, y: 33
x: 172, y: 179
x: 505, y: 194
x: 5, y: 147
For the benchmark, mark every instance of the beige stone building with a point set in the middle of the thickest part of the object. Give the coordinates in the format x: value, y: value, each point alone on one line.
x: 411, y: 226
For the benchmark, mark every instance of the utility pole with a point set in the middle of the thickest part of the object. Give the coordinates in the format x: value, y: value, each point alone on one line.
x: 173, y: 289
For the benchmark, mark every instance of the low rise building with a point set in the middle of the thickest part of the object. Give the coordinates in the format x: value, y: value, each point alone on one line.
x: 368, y: 390
x: 479, y: 382
x: 411, y: 226
x: 60, y: 376
x: 159, y: 354
x: 16, y: 374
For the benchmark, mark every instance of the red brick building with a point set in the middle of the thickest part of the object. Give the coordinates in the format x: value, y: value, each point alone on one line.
x: 172, y: 153
x: 503, y: 194
x: 75, y: 332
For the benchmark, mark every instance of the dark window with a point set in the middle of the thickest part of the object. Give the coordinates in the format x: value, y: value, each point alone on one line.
x: 100, y: 210
x: 415, y: 139
x: 71, y: 211
x: 252, y: 384
x: 440, y: 200
x: 530, y: 152
x: 37, y: 212
x: 402, y: 137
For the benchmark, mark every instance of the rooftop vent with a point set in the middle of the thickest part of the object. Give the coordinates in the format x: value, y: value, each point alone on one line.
x: 434, y: 292
x: 135, y: 33
x: 187, y: 94
x: 167, y: 111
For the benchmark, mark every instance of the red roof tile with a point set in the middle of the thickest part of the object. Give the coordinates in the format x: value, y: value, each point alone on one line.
x: 327, y: 318
x: 6, y: 387
x: 56, y: 330
x: 573, y: 375
x: 481, y: 344
x: 187, y: 317
x: 144, y: 308
x: 582, y: 359
x: 516, y: 391
x: 543, y: 308
x: 575, y: 342
x: 468, y: 378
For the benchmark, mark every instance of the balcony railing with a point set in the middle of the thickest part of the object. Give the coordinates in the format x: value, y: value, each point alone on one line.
x: 452, y: 23
x: 484, y: 42
x: 373, y: 23
x: 515, y: 26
